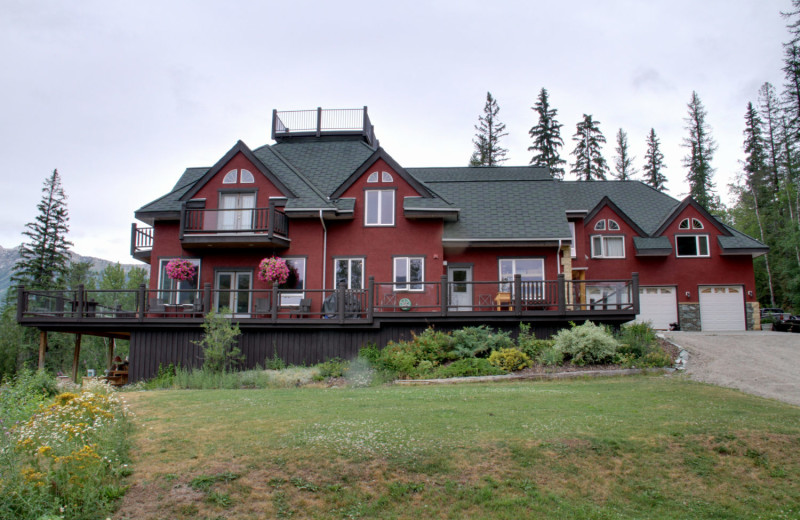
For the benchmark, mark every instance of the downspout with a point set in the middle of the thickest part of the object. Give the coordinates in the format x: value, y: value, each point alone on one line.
x: 324, y: 249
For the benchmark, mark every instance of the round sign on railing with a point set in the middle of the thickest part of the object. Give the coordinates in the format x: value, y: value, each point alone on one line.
x: 405, y: 304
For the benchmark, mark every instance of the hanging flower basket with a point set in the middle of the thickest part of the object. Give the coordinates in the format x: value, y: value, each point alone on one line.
x: 181, y: 269
x: 274, y: 270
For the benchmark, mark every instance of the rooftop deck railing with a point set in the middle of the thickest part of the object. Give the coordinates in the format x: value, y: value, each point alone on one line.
x: 319, y: 121
x: 514, y: 297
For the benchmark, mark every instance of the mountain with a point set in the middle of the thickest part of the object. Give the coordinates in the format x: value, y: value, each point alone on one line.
x: 9, y: 257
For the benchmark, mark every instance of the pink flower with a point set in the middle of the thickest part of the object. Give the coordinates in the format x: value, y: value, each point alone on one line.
x: 181, y: 269
x: 273, y: 269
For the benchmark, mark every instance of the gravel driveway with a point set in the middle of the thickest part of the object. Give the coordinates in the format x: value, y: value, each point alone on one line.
x: 766, y: 364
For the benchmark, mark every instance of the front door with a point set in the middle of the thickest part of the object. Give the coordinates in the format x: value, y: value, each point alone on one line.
x: 460, y: 279
x: 233, y: 292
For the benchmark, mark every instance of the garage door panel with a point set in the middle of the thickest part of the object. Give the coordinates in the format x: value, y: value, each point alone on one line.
x: 722, y: 308
x: 658, y: 305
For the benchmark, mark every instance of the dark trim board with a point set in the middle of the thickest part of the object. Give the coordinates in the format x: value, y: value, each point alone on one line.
x: 154, y: 347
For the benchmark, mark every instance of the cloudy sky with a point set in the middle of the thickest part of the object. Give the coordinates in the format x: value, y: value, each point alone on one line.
x: 121, y: 96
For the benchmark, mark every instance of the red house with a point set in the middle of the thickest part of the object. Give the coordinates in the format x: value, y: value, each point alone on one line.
x: 377, y: 250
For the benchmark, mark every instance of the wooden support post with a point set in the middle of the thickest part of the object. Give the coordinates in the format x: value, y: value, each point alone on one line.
x: 562, y: 294
x: 445, y: 295
x: 370, y: 298
x: 111, y: 347
x: 517, y: 299
x: 75, y: 358
x: 42, y: 348
x: 635, y: 291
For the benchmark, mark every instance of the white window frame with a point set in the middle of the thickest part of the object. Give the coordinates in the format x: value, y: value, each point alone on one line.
x: 507, y: 284
x: 573, y: 248
x: 246, y: 176
x: 613, y: 225
x: 373, y: 177
x: 386, y: 177
x: 604, y: 239
x: 230, y: 177
x: 409, y: 285
x: 696, y: 224
x: 350, y: 261
x: 380, y: 199
x: 600, y: 225
x: 697, y: 246
x: 684, y: 224
x: 292, y: 299
x: 166, y: 283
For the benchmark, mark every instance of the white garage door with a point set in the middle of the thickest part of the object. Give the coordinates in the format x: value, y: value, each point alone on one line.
x: 658, y: 305
x: 722, y: 307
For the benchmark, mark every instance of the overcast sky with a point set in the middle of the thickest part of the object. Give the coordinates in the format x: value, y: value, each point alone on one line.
x: 122, y: 96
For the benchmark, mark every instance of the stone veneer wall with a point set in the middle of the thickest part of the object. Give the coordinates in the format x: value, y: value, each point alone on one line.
x: 689, y: 316
x: 753, y: 315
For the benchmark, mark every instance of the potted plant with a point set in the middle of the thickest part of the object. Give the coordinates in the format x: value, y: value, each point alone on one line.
x: 273, y: 270
x: 766, y: 322
x: 181, y: 269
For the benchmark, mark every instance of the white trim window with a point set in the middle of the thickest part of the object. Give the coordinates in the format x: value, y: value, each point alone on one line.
x: 292, y: 299
x: 379, y: 208
x: 409, y: 273
x: 529, y: 270
x: 349, y: 271
x: 691, y: 246
x: 608, y: 246
x: 573, y: 247
x: 178, y: 292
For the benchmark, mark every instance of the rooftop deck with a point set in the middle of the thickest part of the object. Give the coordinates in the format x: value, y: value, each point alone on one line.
x: 319, y: 122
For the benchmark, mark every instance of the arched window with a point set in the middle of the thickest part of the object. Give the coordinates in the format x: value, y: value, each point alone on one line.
x: 612, y: 225
x: 373, y: 177
x: 600, y: 226
x: 230, y: 177
x: 696, y: 224
x: 247, y: 177
x: 684, y: 224
x: 386, y: 177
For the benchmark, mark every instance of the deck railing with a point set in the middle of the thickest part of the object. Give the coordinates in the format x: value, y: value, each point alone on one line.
x: 319, y: 121
x: 141, y: 239
x: 268, y: 221
x: 514, y: 297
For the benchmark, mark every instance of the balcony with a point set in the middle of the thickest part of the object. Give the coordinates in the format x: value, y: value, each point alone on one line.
x: 141, y: 242
x: 232, y: 228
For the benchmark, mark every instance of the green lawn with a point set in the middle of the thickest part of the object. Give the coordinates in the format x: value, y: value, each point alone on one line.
x: 645, y: 447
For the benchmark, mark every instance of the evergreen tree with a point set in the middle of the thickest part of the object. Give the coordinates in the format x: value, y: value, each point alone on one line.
x: 654, y: 163
x: 45, y: 257
x: 701, y: 148
x: 589, y: 163
x: 755, y: 174
x: 488, y: 151
x: 546, y: 137
x: 624, y: 161
x: 769, y: 111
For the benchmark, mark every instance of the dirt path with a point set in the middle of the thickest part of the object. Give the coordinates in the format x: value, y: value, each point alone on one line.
x: 766, y: 364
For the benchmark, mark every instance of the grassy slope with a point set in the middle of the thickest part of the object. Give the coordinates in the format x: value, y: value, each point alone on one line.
x: 646, y: 447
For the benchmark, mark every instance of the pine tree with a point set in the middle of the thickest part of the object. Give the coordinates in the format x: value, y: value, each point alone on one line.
x: 589, y: 163
x: 44, y: 259
x: 546, y: 137
x: 488, y: 151
x: 701, y: 148
x: 624, y: 161
x: 769, y: 111
x: 654, y: 163
x: 756, y: 175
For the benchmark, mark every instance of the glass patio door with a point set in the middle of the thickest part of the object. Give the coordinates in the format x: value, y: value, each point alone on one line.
x: 236, y: 211
x: 233, y: 292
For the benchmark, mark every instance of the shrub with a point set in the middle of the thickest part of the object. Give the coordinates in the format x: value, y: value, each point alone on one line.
x: 552, y: 356
x: 478, y: 341
x: 586, y: 344
x: 371, y: 352
x: 274, y: 363
x: 220, y: 350
x: 510, y: 359
x: 637, y: 339
x: 529, y: 344
x: 468, y: 367
x: 335, y: 367
x: 22, y: 395
x: 165, y: 378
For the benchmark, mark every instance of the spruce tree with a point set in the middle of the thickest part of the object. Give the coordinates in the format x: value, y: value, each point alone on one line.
x: 44, y: 258
x: 589, y: 163
x: 701, y: 148
x: 769, y: 111
x: 546, y: 135
x: 488, y: 151
x: 654, y: 163
x: 624, y: 161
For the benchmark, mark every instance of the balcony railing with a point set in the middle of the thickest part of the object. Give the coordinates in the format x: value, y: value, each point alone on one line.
x: 141, y: 240
x: 252, y: 220
x: 518, y: 298
x: 348, y: 121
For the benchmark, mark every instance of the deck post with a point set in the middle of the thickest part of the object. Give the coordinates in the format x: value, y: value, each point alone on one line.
x: 76, y: 356
x: 635, y: 292
x: 42, y: 348
x: 133, y: 238
x: 340, y: 294
x: 111, y: 346
x: 182, y: 222
x: 81, y: 301
x: 206, y: 298
x: 562, y: 295
x: 445, y: 295
x: 271, y: 219
x: 518, y: 294
x: 274, y: 307
x: 370, y: 298
x: 319, y: 121
x: 20, y: 302
x: 142, y: 303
